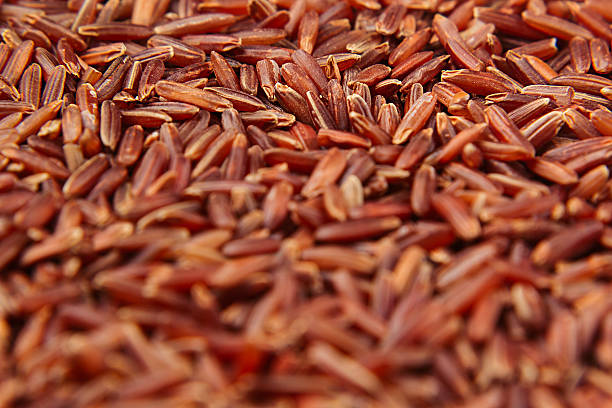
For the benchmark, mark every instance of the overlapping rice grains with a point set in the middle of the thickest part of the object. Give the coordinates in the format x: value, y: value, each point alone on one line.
x: 311, y: 203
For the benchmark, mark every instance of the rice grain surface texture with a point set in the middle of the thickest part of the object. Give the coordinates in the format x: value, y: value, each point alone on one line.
x: 305, y: 203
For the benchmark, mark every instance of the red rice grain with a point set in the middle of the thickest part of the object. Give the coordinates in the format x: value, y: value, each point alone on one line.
x: 305, y: 203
